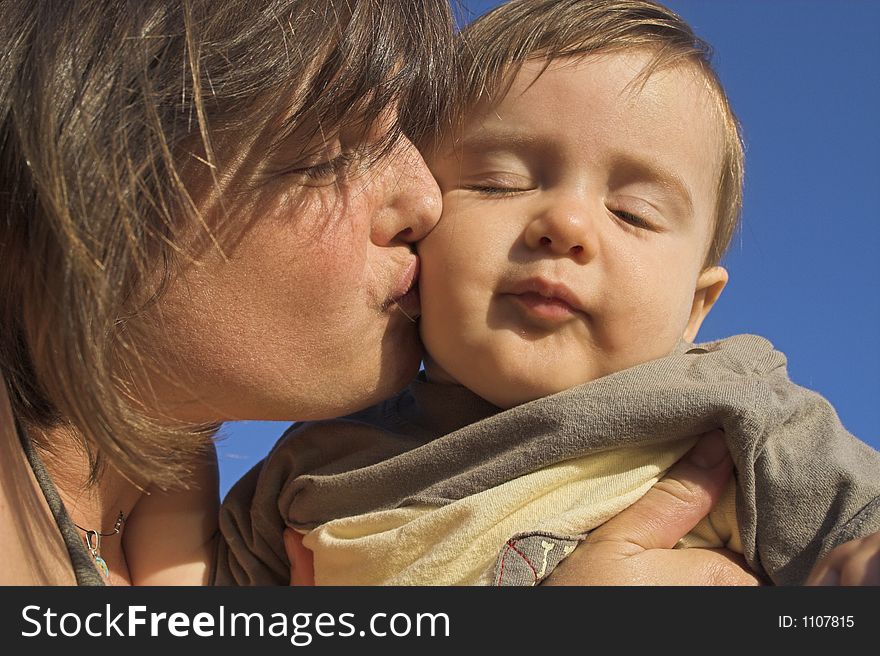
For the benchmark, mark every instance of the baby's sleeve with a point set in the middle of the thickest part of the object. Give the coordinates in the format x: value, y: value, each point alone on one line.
x: 806, y: 486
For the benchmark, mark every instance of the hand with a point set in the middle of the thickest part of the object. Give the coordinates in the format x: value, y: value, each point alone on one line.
x: 635, y: 547
x: 856, y: 562
x: 302, y: 567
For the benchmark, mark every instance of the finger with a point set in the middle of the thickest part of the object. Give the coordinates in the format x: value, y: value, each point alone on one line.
x: 697, y: 567
x: 731, y: 568
x: 824, y: 573
x: 856, y: 562
x: 827, y: 570
x: 677, y: 502
x: 302, y: 569
x: 863, y: 566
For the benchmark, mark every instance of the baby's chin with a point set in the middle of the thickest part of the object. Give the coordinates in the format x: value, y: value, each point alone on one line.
x: 505, y: 396
x: 507, y: 391
x: 509, y: 383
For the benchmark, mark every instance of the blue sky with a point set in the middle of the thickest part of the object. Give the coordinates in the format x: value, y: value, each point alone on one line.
x: 803, y: 78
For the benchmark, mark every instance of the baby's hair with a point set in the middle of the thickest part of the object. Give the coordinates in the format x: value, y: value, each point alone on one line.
x: 496, y: 45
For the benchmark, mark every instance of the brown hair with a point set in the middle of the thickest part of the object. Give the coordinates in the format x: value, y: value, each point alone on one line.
x: 109, y: 112
x: 496, y: 45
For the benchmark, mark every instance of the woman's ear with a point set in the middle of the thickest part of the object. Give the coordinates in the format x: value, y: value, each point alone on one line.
x: 710, y: 284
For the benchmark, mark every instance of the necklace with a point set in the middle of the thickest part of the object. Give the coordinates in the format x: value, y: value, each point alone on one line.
x: 93, y: 543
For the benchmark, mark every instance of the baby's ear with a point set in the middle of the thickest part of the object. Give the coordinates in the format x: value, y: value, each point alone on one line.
x: 710, y: 284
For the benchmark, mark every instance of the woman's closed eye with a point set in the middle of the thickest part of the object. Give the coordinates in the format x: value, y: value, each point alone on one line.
x: 328, y: 171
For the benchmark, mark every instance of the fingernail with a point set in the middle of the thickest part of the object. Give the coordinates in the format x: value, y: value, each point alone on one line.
x: 709, y: 451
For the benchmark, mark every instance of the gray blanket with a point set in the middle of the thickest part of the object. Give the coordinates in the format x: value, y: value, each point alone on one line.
x: 804, y: 484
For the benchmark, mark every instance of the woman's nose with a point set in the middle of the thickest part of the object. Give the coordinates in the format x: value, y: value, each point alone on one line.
x: 565, y: 232
x: 413, y: 203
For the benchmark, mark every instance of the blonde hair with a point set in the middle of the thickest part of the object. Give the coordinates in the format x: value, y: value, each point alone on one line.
x: 109, y: 114
x: 495, y: 46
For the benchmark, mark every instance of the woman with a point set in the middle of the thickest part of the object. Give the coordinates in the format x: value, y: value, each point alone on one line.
x: 208, y: 214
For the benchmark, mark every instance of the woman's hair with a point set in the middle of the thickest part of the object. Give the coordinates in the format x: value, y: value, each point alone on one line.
x: 495, y: 46
x: 111, y: 113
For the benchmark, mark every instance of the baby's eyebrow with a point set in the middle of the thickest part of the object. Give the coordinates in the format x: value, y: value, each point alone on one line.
x: 653, y: 171
x: 513, y: 141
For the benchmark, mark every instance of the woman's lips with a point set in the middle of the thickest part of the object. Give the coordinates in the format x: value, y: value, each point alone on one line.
x: 405, y: 296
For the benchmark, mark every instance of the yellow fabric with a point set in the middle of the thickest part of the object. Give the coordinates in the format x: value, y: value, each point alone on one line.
x: 457, y: 543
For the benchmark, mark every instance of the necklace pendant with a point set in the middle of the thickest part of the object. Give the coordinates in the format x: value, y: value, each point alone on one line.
x: 102, y: 566
x: 93, y: 543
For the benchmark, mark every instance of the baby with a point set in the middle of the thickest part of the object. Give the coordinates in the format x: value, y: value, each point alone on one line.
x: 588, y: 199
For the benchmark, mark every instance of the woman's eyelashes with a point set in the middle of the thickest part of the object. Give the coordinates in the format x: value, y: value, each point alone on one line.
x: 327, y: 171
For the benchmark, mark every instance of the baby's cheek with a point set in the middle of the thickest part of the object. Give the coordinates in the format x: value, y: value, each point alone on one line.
x: 440, y: 273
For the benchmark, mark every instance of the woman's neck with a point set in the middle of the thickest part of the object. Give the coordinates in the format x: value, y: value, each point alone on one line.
x: 93, y: 507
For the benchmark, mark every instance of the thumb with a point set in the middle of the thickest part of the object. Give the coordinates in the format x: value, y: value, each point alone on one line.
x: 677, y: 502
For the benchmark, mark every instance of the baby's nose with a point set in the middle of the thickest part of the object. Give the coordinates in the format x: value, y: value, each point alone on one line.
x: 562, y: 233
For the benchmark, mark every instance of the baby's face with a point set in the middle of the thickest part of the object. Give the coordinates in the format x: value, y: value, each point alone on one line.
x: 576, y: 218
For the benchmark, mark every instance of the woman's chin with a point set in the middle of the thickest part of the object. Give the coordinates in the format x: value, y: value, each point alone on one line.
x: 399, y: 360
